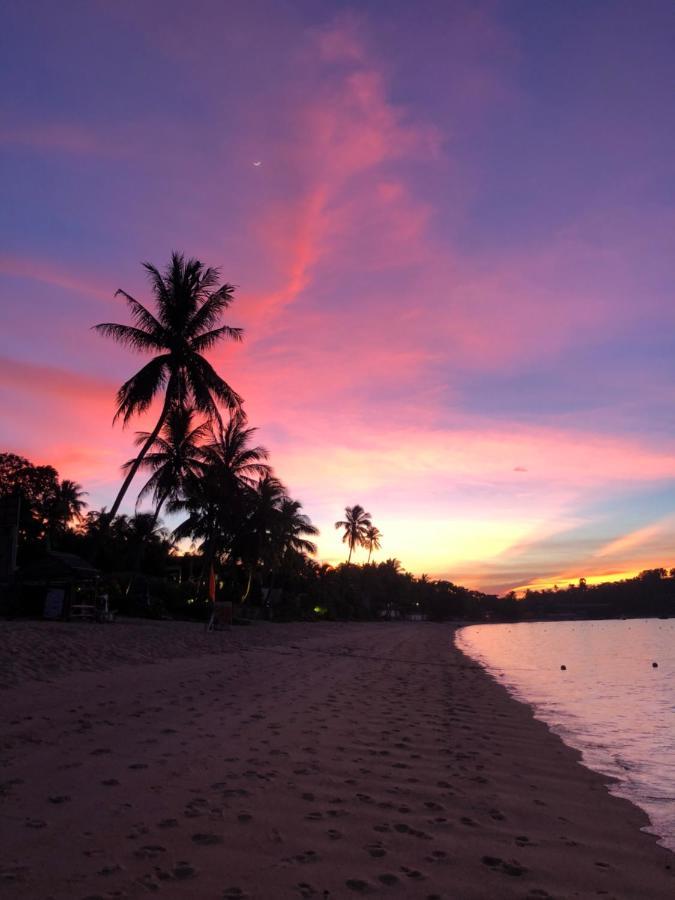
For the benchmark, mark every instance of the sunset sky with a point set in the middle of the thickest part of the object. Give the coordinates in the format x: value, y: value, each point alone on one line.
x: 454, y: 264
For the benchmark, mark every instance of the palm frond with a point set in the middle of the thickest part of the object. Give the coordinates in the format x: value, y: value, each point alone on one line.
x: 207, y: 384
x: 207, y: 340
x: 136, y: 394
x: 132, y: 337
x: 211, y: 310
x: 143, y: 318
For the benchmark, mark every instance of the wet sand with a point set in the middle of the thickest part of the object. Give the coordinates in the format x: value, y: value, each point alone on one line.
x: 300, y: 760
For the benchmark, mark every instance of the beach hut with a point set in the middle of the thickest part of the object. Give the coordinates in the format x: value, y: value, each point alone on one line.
x: 59, y: 586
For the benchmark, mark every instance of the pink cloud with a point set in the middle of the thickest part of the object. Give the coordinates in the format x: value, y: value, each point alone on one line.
x: 47, y: 272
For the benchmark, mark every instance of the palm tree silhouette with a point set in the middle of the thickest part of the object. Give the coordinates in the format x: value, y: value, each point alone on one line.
x: 295, y: 528
x: 373, y: 536
x: 189, y: 306
x: 174, y: 457
x: 65, y: 506
x: 356, y: 524
x: 218, y: 501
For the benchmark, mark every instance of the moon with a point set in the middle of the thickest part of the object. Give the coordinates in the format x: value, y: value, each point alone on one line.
x: 257, y: 162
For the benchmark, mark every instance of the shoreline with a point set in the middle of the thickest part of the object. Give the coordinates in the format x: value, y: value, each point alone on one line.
x: 303, y: 760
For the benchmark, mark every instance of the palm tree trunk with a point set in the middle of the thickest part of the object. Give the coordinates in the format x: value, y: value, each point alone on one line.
x: 370, y: 550
x: 349, y: 558
x: 248, y: 586
x: 139, y: 459
x: 156, y: 515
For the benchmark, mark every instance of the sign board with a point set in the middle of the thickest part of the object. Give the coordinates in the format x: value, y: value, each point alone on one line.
x: 53, y: 608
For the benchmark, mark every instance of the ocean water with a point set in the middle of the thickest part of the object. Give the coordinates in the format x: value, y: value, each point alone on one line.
x: 610, y: 702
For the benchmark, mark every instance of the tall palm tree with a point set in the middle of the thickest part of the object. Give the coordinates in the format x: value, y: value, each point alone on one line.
x: 373, y: 536
x: 218, y: 502
x: 255, y: 539
x: 174, y: 458
x: 356, y: 524
x: 189, y: 306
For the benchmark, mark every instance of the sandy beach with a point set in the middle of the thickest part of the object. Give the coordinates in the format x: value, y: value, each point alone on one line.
x: 302, y: 760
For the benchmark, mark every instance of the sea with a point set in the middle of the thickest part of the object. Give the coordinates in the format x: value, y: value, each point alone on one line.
x: 614, y: 700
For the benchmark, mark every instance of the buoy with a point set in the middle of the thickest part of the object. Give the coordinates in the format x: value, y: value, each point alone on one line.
x: 655, y: 665
x: 563, y: 668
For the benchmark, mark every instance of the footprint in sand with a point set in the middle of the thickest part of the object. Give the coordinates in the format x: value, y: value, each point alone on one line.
x: 513, y: 868
x: 377, y: 851
x: 183, y: 870
x: 415, y: 874
x: 359, y: 885
x: 207, y: 839
x: 309, y: 856
x: 150, y: 851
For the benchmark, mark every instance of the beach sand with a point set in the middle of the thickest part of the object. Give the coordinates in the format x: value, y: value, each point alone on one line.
x: 302, y: 760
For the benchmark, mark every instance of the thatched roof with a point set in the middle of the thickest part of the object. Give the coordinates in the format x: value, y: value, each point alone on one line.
x: 55, y: 566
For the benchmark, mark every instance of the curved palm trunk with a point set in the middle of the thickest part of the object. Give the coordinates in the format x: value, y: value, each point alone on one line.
x: 139, y: 459
x: 157, y: 511
x: 370, y: 550
x: 349, y: 558
x: 248, y: 586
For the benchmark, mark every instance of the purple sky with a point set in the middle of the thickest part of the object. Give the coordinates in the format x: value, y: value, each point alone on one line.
x: 454, y: 264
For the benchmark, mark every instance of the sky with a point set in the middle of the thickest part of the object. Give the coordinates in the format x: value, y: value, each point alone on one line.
x: 454, y: 264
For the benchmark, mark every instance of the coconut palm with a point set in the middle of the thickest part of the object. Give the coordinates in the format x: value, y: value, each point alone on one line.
x: 254, y: 541
x: 174, y: 457
x: 229, y: 453
x: 372, y: 542
x: 356, y: 524
x: 189, y: 305
x: 294, y: 529
x: 65, y: 506
x: 70, y: 501
x: 218, y: 502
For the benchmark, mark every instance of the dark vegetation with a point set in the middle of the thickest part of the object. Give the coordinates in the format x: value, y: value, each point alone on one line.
x: 144, y: 572
x: 240, y: 535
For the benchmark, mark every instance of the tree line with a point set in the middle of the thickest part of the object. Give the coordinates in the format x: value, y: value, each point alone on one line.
x: 249, y: 538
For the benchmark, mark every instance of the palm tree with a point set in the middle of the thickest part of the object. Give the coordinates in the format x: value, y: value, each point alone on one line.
x: 174, y: 458
x: 189, y: 306
x: 356, y: 524
x: 218, y: 501
x: 228, y: 452
x: 294, y: 529
x: 70, y: 501
x: 373, y: 536
x: 66, y: 505
x: 254, y: 542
